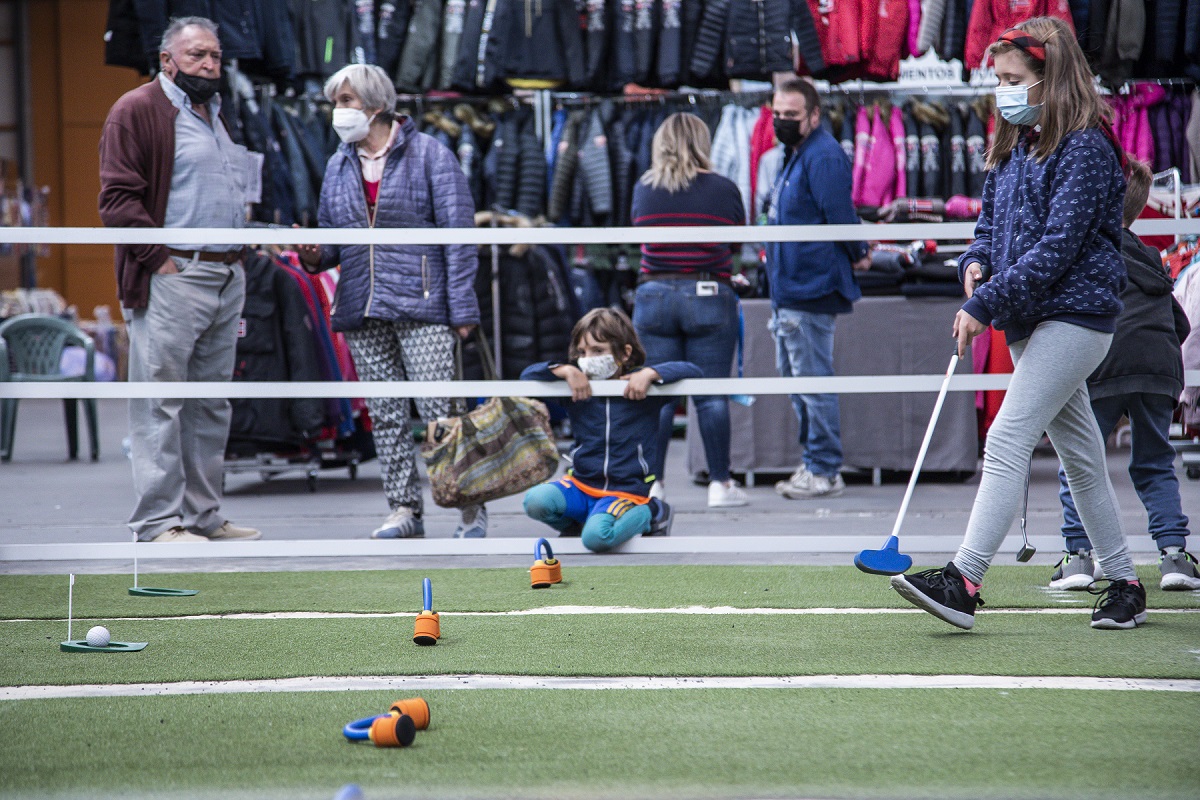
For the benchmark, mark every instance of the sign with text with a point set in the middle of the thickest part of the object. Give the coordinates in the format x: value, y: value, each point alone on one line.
x: 929, y: 70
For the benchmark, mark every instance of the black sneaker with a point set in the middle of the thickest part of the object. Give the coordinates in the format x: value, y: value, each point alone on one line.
x: 571, y: 528
x: 1120, y: 606
x: 941, y: 592
x: 661, y: 518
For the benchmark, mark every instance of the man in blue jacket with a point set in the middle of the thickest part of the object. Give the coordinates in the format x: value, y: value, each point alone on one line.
x: 811, y: 282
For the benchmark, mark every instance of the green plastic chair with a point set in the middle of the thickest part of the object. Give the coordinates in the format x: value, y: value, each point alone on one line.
x: 31, y: 348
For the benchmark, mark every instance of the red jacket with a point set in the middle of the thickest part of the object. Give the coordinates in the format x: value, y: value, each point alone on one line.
x: 882, y: 37
x: 838, y: 30
x: 990, y: 18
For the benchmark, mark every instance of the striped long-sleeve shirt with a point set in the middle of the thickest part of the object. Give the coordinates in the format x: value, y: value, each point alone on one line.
x: 711, y: 199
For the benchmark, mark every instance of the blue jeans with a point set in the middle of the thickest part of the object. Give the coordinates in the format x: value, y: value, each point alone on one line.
x: 804, y: 347
x: 675, y: 324
x: 1151, y: 467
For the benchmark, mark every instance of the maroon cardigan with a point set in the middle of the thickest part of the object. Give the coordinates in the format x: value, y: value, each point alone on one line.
x: 137, y: 158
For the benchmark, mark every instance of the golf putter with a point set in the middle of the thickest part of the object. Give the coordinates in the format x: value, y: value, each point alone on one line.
x: 1027, y: 550
x: 889, y: 560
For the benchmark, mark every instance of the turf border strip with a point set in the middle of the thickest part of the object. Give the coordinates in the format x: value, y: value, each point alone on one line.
x: 455, y: 682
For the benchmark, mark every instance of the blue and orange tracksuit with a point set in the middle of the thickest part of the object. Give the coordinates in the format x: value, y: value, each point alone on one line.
x: 607, y: 490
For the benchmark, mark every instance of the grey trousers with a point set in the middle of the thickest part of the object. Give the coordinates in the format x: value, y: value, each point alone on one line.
x: 384, y: 350
x: 1048, y: 393
x: 188, y: 332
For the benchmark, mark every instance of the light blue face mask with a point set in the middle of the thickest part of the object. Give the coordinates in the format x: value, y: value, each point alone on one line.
x: 1013, y: 104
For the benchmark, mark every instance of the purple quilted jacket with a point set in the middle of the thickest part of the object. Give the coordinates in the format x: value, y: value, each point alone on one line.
x: 422, y: 187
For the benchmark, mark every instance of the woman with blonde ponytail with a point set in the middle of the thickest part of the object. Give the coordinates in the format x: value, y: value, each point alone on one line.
x: 685, y: 309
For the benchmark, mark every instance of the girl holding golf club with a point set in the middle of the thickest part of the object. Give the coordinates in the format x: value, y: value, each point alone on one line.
x: 1046, y: 269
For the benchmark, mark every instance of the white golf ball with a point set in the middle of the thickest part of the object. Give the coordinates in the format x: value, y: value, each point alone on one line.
x: 98, y: 637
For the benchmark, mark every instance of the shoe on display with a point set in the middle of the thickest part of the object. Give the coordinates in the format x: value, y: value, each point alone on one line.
x: 1075, y: 572
x: 942, y: 592
x: 726, y: 495
x: 1120, y: 606
x: 403, y: 523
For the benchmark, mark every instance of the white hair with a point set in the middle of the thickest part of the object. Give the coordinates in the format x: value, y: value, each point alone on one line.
x: 179, y: 23
x: 370, y: 82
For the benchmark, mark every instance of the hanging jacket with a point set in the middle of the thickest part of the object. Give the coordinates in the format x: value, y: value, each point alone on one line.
x: 914, y: 28
x: 731, y: 149
x: 990, y: 18
x: 420, y: 46
x: 478, y: 67
x: 1131, y: 119
x: 709, y: 48
x: 837, y: 27
x: 595, y: 167
x: 1049, y: 238
x: 762, y: 140
x: 566, y: 162
x: 813, y: 188
x: 275, y: 343
x: 454, y: 18
x: 470, y: 158
x: 912, y: 155
x: 596, y: 44
x: 507, y: 148
x: 900, y: 152
x: 954, y: 30
x: 123, y: 39
x: 957, y: 166
x: 862, y: 153
x: 670, y: 43
x: 879, y: 176
x: 541, y: 43
x: 645, y: 30
x: 621, y: 157
x: 422, y: 187
x: 1145, y: 356
x: 615, y: 438
x: 882, y: 36
x: 929, y: 30
x: 691, y: 18
x: 758, y: 38
x: 846, y: 137
x: 531, y: 180
x: 622, y: 57
x: 976, y: 154
x: 390, y: 32
x: 1123, y: 38
x: 236, y: 21
x: 326, y: 37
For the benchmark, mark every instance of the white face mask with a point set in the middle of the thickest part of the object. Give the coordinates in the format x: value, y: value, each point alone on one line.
x: 598, y: 368
x: 1013, y: 104
x: 351, y: 124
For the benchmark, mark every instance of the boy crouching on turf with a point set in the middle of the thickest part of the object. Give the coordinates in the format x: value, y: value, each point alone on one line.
x: 605, y: 496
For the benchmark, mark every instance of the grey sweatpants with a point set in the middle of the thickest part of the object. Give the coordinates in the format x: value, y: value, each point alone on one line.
x: 1048, y: 393
x: 188, y: 332
x: 402, y: 351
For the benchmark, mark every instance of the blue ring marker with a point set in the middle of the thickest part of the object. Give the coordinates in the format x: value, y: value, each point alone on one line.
x: 427, y: 594
x: 360, y: 729
x: 542, y: 544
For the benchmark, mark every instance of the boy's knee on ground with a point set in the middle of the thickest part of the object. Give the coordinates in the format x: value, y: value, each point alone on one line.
x: 604, y: 531
x: 545, y: 503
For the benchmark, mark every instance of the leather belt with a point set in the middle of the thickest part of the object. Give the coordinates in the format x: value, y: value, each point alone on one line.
x: 218, y: 256
x: 646, y: 277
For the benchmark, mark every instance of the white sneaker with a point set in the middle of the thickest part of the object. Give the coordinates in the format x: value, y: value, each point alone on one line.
x: 726, y: 495
x: 658, y: 491
x: 229, y: 531
x: 809, y: 486
x: 474, y: 523
x: 782, y: 486
x: 403, y: 523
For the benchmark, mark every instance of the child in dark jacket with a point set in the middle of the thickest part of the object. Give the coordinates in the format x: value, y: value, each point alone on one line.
x: 1046, y: 269
x: 1140, y: 378
x: 605, y: 496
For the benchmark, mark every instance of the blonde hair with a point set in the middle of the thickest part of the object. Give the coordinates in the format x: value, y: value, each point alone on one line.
x: 1070, y: 101
x: 680, y: 151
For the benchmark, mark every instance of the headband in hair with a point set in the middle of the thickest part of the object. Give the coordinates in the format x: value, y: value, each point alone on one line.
x: 1023, y: 41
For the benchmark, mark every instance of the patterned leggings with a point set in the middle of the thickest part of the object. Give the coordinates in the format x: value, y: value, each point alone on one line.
x: 400, y: 351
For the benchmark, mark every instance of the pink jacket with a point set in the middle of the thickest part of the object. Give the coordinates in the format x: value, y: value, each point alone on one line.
x: 879, y: 178
x: 862, y: 151
x: 1131, y: 119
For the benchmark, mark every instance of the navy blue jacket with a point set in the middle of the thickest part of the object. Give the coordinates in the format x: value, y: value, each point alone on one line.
x: 813, y: 188
x: 1049, y: 237
x: 614, y: 437
x: 422, y: 187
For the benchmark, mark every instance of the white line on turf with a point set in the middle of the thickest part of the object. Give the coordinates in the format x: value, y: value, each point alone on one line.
x: 418, y: 683
x: 567, y: 611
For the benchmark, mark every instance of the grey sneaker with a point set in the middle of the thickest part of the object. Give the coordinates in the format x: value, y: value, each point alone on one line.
x: 178, y: 534
x: 228, y: 531
x: 809, y: 486
x: 1076, y: 571
x: 781, y: 487
x: 473, y: 524
x: 1179, y: 573
x: 403, y: 523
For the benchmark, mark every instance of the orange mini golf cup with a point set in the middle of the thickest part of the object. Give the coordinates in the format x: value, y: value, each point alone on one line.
x: 546, y: 571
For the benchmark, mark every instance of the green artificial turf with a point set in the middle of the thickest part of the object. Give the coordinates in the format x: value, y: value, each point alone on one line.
x: 105, y: 596
x: 647, y: 644
x: 630, y: 744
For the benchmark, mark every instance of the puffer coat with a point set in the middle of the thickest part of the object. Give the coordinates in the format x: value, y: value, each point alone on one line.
x: 423, y: 186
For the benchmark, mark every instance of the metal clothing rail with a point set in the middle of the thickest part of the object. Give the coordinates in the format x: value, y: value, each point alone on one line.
x: 506, y: 236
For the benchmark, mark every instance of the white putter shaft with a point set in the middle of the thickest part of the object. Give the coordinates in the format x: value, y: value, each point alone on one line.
x: 937, y: 409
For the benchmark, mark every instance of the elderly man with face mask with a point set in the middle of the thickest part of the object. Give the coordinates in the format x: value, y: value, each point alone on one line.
x: 166, y: 161
x: 811, y: 282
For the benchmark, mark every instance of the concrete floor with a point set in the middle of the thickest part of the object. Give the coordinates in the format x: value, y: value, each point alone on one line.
x: 46, y: 499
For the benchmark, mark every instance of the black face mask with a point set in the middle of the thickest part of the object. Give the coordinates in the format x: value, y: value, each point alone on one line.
x: 198, y: 88
x: 788, y: 132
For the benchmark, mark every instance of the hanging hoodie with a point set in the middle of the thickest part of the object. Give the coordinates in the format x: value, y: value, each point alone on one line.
x: 862, y: 152
x: 879, y: 176
x: 990, y: 18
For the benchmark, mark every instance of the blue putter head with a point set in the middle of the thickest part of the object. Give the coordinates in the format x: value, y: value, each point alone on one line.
x: 888, y: 561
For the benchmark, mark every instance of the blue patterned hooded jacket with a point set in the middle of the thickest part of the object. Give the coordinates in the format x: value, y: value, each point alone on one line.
x: 1049, y: 238
x: 422, y: 187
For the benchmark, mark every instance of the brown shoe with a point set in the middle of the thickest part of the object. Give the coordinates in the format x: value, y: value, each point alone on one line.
x: 178, y: 534
x: 231, y: 531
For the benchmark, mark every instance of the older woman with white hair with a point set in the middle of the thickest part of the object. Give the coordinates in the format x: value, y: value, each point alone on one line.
x: 400, y: 306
